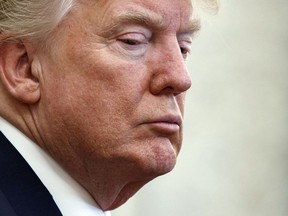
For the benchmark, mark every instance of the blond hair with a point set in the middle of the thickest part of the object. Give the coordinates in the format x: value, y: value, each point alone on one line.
x: 36, y: 19
x: 31, y: 18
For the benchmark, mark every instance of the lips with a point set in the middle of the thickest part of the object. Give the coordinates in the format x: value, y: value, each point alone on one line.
x: 170, y: 119
x: 168, y: 124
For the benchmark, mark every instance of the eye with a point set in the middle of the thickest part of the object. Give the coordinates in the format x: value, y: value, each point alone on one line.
x: 185, y: 52
x: 185, y: 47
x: 130, y: 42
x: 133, y: 43
x: 133, y: 39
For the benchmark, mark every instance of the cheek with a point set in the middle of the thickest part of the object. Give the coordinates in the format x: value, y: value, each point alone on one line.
x: 118, y: 83
x: 97, y: 100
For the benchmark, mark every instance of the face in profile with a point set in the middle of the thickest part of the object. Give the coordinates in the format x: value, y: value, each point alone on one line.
x: 112, y: 91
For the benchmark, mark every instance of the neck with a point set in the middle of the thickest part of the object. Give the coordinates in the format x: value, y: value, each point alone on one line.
x: 18, y: 114
x: 108, y: 187
x: 114, y: 194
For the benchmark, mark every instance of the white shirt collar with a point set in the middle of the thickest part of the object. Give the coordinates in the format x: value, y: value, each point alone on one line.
x: 71, y: 198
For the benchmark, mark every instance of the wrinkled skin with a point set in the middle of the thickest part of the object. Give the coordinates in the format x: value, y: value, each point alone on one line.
x: 112, y: 88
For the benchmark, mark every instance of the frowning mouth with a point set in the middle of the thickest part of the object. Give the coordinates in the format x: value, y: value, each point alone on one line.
x: 166, y: 125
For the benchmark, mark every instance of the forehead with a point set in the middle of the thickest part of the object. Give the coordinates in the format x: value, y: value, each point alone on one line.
x: 158, y: 13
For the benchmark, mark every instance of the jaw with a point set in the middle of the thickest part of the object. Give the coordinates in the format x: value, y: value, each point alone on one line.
x: 113, y: 185
x: 124, y: 194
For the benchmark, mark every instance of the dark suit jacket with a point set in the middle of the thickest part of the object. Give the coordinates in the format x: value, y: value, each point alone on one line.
x: 21, y: 191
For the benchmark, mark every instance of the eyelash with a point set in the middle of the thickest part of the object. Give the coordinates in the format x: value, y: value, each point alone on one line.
x: 185, y: 47
x: 131, y: 42
x: 185, y: 52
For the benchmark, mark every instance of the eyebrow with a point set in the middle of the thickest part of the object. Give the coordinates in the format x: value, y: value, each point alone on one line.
x: 194, y: 25
x: 150, y: 19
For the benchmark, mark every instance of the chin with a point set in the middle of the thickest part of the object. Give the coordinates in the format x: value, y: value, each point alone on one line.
x: 151, y: 170
x: 157, y: 161
x: 163, y: 163
x: 136, y: 166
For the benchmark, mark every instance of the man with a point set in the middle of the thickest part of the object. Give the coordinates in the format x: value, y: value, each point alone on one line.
x: 97, y: 89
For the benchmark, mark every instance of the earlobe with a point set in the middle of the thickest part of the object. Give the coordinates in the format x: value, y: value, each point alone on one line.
x: 16, y: 73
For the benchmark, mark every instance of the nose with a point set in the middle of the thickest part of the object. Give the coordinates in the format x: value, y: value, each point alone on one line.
x: 170, y: 74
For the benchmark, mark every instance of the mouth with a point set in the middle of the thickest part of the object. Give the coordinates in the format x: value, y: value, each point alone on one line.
x: 169, y: 124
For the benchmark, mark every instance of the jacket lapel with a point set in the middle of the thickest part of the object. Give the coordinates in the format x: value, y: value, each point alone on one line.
x: 21, y: 191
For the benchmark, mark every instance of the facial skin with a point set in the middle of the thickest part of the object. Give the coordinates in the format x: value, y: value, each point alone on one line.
x: 112, y: 88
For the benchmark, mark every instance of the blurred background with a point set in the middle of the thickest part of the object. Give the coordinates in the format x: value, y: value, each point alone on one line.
x: 234, y: 160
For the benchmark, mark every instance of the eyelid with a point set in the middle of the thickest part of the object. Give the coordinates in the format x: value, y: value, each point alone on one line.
x: 185, y: 37
x: 185, y: 44
x: 133, y: 36
x: 132, y: 44
x: 126, y: 29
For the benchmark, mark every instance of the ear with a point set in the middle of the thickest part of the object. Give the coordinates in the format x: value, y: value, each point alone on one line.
x: 16, y: 72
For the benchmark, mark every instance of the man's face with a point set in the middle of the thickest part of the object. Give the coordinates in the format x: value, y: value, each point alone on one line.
x: 113, y: 88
